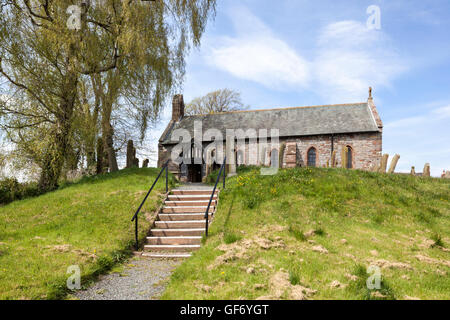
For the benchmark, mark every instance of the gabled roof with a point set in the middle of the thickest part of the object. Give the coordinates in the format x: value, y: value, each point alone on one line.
x: 297, y: 121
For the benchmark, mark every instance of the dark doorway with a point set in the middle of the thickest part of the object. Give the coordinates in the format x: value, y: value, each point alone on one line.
x: 195, y: 173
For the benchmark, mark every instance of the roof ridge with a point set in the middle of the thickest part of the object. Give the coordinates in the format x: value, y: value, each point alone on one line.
x: 276, y: 109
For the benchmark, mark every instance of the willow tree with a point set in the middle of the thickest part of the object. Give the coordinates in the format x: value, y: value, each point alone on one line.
x: 48, y: 47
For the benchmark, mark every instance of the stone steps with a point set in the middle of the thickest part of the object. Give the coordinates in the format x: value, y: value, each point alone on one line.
x: 171, y: 247
x: 183, y: 216
x: 177, y: 232
x: 188, y: 224
x: 193, y: 192
x: 172, y: 197
x: 186, y: 203
x: 180, y: 240
x: 180, y: 225
x: 179, y: 209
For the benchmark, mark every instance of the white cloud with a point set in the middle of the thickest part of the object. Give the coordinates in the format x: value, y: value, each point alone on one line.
x: 265, y: 60
x: 351, y: 58
x: 348, y: 58
x: 258, y: 55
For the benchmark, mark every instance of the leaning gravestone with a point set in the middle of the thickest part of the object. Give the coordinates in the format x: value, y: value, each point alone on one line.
x: 393, y: 163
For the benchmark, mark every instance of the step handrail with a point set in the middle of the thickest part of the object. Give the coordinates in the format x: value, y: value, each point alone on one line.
x: 222, y: 168
x: 135, y: 216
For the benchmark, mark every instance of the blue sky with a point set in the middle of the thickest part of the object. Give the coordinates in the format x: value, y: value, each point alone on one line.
x: 298, y: 53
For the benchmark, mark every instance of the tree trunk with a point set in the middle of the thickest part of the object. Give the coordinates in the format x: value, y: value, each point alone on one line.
x: 56, y: 154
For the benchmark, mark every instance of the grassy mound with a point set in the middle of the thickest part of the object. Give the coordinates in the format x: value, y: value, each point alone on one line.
x: 85, y: 224
x: 313, y: 234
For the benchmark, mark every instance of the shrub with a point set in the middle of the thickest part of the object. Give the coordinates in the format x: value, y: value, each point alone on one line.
x: 11, y: 190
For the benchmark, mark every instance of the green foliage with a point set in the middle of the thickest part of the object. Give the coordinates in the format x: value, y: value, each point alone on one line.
x: 231, y: 237
x: 11, y: 190
x: 297, y: 232
x: 437, y: 238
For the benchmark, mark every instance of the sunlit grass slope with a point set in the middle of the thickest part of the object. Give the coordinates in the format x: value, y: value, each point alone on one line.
x: 85, y: 224
x: 312, y: 234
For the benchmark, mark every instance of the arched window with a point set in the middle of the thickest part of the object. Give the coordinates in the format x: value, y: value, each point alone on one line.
x: 311, y: 157
x: 349, y: 157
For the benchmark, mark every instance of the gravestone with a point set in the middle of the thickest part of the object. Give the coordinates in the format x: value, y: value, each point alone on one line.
x: 145, y: 163
x: 344, y: 154
x: 426, y: 170
x: 281, y: 154
x: 393, y: 163
x: 132, y: 161
x: 333, y: 159
x: 291, y: 155
x: 384, y: 161
x: 413, y: 171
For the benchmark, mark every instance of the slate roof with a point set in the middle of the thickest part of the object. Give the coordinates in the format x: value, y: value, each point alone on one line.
x: 297, y: 121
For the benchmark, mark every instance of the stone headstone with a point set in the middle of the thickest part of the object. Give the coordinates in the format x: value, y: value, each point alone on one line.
x: 393, y: 163
x: 290, y: 156
x: 132, y: 161
x: 344, y: 155
x: 145, y: 163
x: 413, y: 171
x: 426, y: 170
x: 333, y: 159
x: 281, y: 155
x: 384, y: 161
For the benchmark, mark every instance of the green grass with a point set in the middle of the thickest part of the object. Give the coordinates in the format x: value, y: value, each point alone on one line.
x: 86, y: 223
x: 382, y: 217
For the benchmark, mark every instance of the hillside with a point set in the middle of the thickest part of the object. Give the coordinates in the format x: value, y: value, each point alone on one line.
x: 86, y: 224
x: 312, y: 233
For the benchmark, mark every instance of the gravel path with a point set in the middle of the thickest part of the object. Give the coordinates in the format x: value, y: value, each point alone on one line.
x: 141, y: 279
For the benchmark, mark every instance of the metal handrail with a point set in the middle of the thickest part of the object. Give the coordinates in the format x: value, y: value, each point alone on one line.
x: 222, y: 168
x: 135, y: 216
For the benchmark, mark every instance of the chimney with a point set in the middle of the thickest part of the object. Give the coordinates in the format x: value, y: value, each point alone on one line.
x: 177, y: 107
x: 374, y: 110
